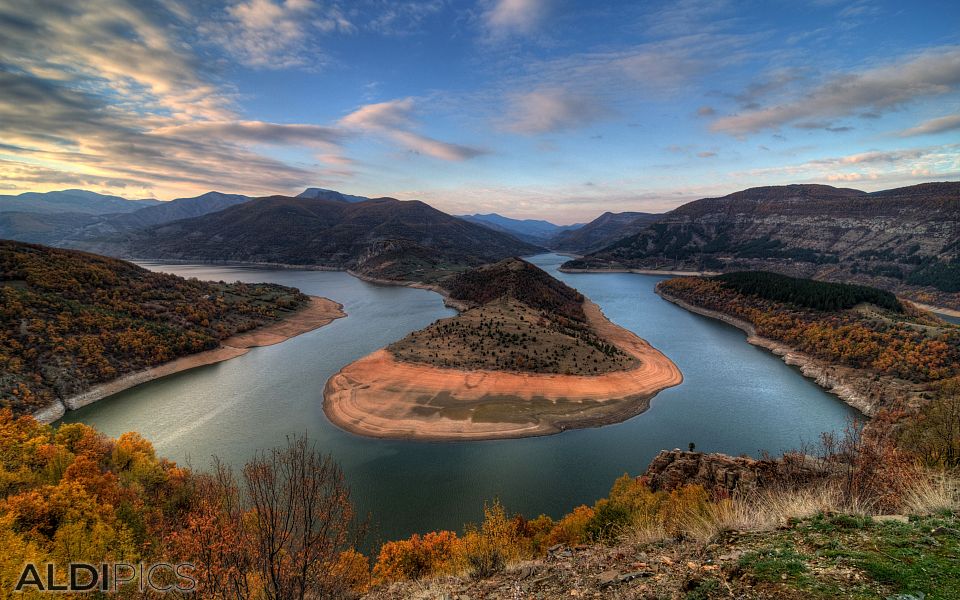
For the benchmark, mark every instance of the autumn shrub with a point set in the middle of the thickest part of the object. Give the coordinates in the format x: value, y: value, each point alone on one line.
x: 498, y: 541
x: 435, y: 553
x: 608, y: 521
x: 572, y: 528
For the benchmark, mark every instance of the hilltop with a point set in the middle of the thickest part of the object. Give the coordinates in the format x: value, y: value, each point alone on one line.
x: 72, y: 320
x: 602, y: 231
x: 904, y: 240
x: 521, y: 319
x: 383, y: 237
x: 528, y: 356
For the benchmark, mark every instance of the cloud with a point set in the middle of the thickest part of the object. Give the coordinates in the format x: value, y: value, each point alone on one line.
x: 938, y: 125
x: 507, y: 17
x: 403, y: 18
x: 271, y: 34
x: 877, y: 90
x: 706, y: 154
x: 394, y: 120
x: 706, y: 111
x: 435, y: 148
x: 259, y: 132
x: 551, y: 110
x: 102, y: 93
x: 394, y: 114
x: 887, y: 168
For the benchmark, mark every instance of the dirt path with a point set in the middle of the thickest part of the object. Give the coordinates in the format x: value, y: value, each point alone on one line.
x: 378, y: 396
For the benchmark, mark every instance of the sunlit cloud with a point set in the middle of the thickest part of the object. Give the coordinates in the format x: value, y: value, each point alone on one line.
x: 938, y: 125
x: 877, y: 90
x: 394, y: 120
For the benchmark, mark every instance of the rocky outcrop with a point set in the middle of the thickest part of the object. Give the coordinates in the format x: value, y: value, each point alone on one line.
x: 671, y: 469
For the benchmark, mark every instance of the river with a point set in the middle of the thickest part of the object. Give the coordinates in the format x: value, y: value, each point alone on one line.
x: 735, y: 398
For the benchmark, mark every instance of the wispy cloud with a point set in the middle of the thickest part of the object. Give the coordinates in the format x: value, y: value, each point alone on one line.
x: 885, y: 168
x: 509, y: 17
x: 273, y: 34
x: 258, y: 132
x: 938, y: 125
x: 395, y: 121
x: 876, y: 90
x: 551, y: 110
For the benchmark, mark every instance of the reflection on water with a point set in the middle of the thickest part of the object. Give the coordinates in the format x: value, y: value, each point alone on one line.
x: 735, y: 398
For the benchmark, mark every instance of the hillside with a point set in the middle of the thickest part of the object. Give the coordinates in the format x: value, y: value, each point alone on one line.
x: 904, y: 240
x: 534, y: 231
x: 522, y: 319
x: 103, y: 232
x: 894, y: 534
x: 602, y: 231
x: 71, y: 320
x: 864, y: 344
x: 382, y: 238
x: 325, y: 194
x: 44, y: 228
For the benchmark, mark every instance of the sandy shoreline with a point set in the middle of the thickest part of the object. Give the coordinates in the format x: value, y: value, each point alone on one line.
x: 319, y: 312
x: 378, y: 396
x: 943, y: 310
x: 860, y: 389
x: 644, y: 272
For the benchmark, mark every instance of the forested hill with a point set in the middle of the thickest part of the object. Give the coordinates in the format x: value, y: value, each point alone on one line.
x: 520, y: 318
x: 849, y: 325
x: 521, y: 281
x: 820, y: 295
x: 384, y: 237
x: 69, y: 319
x: 905, y: 240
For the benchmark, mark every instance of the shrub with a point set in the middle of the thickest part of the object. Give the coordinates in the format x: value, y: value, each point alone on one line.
x: 934, y: 434
x: 436, y: 553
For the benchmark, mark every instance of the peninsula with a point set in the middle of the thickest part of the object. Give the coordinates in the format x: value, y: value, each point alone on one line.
x: 529, y: 356
x: 78, y: 327
x: 863, y: 344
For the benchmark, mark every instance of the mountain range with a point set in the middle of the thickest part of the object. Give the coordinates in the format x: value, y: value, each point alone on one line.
x: 534, y: 231
x: 904, y: 240
x: 71, y: 201
x: 381, y: 237
x: 602, y: 231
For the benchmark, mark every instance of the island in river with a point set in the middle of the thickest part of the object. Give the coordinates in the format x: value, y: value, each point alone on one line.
x: 529, y: 356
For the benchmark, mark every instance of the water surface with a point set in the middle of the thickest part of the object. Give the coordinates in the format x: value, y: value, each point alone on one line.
x: 735, y: 398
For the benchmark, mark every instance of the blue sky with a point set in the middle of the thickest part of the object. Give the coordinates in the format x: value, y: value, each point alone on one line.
x: 532, y: 108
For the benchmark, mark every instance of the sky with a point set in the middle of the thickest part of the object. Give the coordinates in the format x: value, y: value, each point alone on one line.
x: 555, y: 109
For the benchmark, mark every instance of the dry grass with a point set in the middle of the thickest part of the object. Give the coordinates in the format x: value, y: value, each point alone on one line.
x: 937, y: 493
x: 767, y: 510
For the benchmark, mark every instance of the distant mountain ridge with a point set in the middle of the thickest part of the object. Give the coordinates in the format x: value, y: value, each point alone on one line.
x: 534, y: 231
x: 102, y: 231
x: 905, y: 240
x: 71, y: 201
x: 602, y: 231
x: 325, y: 194
x: 382, y: 237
